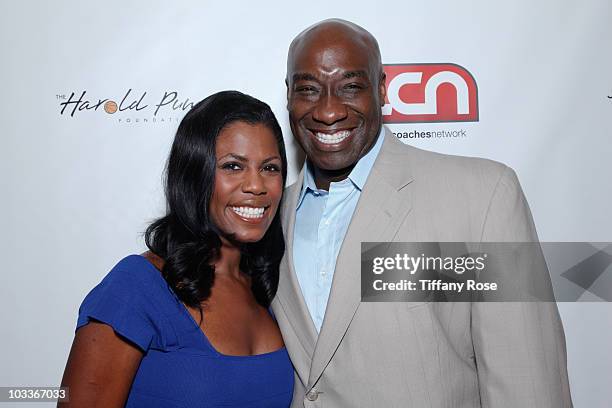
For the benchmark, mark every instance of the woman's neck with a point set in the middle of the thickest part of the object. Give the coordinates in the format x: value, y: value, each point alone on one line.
x: 228, y: 262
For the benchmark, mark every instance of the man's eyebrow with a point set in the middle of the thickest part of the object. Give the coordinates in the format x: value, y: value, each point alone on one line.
x: 302, y: 76
x: 355, y: 74
x: 235, y: 157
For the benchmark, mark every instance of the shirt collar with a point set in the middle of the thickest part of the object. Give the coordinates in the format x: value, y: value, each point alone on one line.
x: 358, y: 175
x: 362, y: 169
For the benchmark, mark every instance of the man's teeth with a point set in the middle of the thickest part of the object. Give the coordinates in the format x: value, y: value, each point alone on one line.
x: 249, y: 212
x: 331, y: 138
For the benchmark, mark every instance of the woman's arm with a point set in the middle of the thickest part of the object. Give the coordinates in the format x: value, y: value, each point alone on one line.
x: 100, y: 368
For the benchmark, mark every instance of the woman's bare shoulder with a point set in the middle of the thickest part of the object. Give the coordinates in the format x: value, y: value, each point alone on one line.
x: 154, y: 259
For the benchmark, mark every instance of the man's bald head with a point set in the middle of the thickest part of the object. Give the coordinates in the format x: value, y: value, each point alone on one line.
x: 335, y: 32
x: 335, y: 90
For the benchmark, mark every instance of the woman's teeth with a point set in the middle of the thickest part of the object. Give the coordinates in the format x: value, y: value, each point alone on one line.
x: 331, y: 138
x: 249, y: 212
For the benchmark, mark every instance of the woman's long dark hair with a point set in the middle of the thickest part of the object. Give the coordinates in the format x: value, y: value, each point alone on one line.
x: 185, y: 237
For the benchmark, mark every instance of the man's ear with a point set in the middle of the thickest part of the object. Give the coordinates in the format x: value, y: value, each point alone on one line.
x: 287, y: 86
x: 382, y: 88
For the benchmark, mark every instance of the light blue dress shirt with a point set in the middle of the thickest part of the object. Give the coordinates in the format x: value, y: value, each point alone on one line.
x: 322, y: 219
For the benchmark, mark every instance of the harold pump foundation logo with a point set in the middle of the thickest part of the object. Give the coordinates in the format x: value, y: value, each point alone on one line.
x: 428, y: 93
x: 129, y: 107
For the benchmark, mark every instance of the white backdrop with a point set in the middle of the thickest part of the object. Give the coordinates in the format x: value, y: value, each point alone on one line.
x: 77, y: 191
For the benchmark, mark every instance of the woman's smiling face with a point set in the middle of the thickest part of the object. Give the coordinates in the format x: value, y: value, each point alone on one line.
x: 248, y: 181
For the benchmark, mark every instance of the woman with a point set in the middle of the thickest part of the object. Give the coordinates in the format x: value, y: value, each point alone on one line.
x: 187, y: 324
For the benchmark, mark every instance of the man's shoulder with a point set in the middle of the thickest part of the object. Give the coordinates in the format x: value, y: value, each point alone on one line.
x: 290, y: 193
x: 460, y: 198
x: 430, y: 165
x: 292, y: 188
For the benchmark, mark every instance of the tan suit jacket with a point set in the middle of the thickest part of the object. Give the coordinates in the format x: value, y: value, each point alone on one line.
x: 423, y: 355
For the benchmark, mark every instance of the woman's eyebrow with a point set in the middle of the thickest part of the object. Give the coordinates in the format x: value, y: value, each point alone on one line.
x: 234, y: 156
x: 269, y: 159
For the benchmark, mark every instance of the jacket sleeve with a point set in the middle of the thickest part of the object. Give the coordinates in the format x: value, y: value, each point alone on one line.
x: 519, y: 347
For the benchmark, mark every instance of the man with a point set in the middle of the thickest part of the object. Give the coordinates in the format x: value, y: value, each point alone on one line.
x: 360, y: 183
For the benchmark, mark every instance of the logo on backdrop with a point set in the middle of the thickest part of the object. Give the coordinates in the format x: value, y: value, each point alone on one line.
x: 129, y: 107
x: 430, y: 93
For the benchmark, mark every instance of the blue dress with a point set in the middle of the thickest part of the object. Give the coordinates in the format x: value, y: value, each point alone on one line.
x: 180, y: 367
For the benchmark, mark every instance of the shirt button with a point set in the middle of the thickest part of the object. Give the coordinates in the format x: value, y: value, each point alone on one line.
x: 326, y: 222
x: 312, y: 395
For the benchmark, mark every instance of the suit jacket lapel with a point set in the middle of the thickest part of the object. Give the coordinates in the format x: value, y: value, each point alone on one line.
x: 383, y: 205
x: 289, y: 294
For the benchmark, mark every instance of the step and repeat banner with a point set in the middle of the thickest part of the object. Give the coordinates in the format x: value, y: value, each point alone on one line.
x: 93, y: 93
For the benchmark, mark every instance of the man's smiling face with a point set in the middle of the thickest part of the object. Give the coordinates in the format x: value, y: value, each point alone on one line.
x: 335, y: 90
